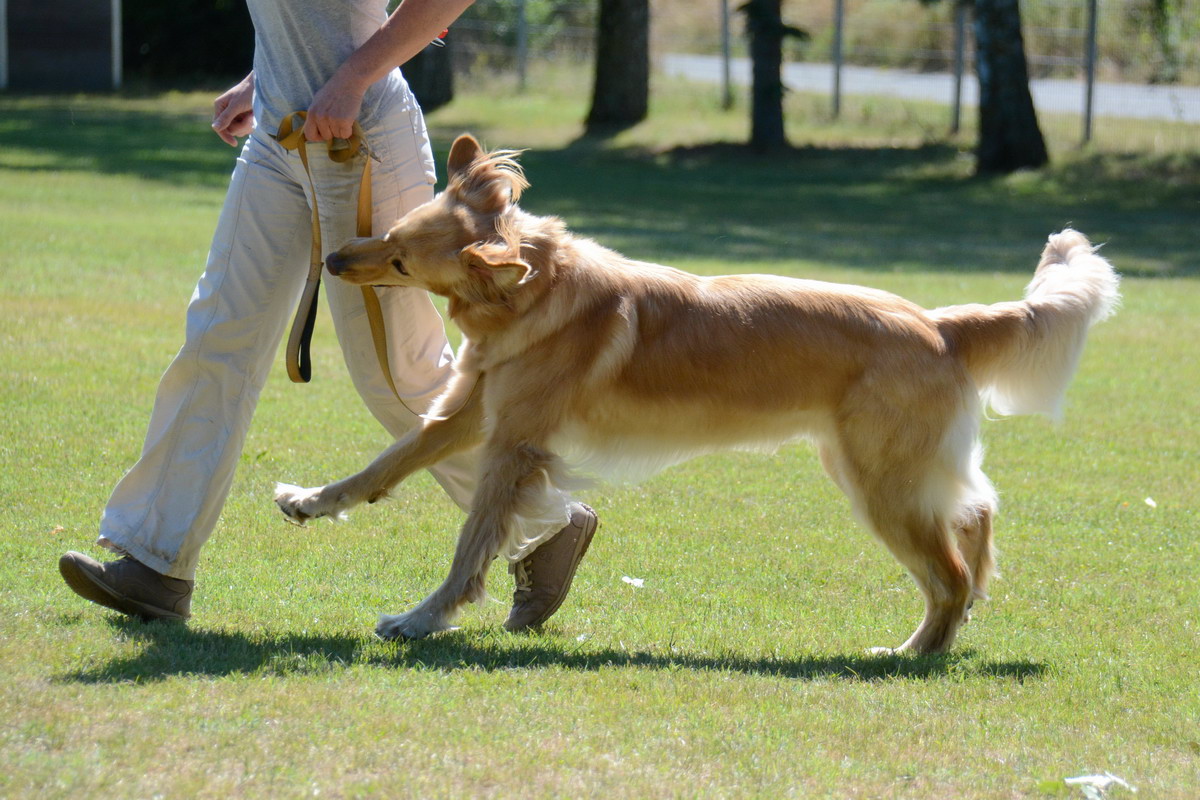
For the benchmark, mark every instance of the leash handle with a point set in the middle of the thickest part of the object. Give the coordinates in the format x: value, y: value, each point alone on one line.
x: 299, y: 357
x: 291, y: 137
x: 370, y: 298
x: 298, y: 353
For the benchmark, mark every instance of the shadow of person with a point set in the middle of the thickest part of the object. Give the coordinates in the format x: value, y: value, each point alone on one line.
x: 160, y: 650
x: 164, y: 650
x: 491, y: 652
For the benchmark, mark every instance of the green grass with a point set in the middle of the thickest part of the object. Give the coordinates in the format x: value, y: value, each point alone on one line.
x: 739, y: 669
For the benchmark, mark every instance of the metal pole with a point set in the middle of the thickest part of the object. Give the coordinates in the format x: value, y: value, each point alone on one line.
x: 116, y: 44
x: 839, y: 9
x: 726, y: 57
x: 3, y: 44
x: 960, y: 38
x: 522, y: 45
x: 1090, y: 72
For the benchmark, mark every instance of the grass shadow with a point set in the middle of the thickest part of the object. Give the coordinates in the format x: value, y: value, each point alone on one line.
x: 469, y: 650
x: 168, y: 650
x: 895, y: 209
x: 869, y: 208
x: 60, y: 134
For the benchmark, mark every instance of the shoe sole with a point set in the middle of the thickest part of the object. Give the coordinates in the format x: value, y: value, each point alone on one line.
x: 581, y: 548
x: 89, y: 587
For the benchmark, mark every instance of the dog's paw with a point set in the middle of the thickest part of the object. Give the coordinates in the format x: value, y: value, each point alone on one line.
x: 301, y: 504
x: 411, y: 625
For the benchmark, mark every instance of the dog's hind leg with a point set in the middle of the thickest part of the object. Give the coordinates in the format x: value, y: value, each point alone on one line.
x: 903, y: 481
x: 921, y: 539
x: 514, y: 477
x: 925, y: 548
x: 973, y: 530
x: 434, y: 440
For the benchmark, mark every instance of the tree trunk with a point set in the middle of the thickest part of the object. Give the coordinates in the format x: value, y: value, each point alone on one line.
x: 764, y: 24
x: 1163, y: 20
x: 1009, y: 136
x: 622, y: 88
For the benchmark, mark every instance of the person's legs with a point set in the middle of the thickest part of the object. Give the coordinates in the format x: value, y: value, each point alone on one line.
x: 165, y: 508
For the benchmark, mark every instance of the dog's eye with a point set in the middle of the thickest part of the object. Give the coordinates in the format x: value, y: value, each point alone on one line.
x: 399, y: 265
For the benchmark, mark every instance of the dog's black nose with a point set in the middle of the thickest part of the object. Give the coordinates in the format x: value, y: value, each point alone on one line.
x: 334, y: 263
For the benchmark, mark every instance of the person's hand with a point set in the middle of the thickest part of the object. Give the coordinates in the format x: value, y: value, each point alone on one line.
x: 233, y: 112
x: 333, y: 110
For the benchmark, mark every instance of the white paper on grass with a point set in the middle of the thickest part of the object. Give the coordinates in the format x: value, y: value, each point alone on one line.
x: 1095, y: 787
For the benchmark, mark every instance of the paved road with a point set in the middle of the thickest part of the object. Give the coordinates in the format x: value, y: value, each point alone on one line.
x: 1176, y: 103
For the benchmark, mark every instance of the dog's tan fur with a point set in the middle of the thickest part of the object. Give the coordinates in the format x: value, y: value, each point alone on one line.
x: 572, y: 351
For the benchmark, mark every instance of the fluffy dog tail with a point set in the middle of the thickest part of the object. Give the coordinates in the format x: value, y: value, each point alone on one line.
x: 1022, y: 354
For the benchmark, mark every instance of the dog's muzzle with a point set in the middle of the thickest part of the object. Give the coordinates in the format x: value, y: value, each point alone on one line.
x: 335, y: 263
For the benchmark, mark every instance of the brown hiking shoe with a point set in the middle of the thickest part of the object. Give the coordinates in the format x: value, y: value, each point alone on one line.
x: 544, y: 576
x: 128, y: 586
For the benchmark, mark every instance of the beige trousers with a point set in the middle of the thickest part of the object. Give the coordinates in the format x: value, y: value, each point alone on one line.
x: 165, y: 508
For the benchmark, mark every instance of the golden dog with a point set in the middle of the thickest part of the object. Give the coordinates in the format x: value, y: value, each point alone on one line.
x: 573, y: 354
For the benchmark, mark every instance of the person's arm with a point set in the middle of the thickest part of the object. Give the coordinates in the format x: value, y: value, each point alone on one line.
x: 233, y: 112
x: 405, y: 33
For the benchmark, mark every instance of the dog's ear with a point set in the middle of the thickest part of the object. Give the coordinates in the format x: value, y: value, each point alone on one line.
x: 487, y: 182
x: 464, y: 151
x: 497, y: 264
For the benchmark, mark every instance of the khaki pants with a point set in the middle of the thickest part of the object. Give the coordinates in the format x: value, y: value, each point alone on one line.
x: 166, y: 507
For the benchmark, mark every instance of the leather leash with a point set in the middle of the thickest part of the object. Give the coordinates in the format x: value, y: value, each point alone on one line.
x: 299, y: 360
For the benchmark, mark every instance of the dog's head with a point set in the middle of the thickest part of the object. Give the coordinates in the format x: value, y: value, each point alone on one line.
x: 460, y: 243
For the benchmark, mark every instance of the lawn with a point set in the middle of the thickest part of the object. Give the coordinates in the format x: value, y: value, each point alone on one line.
x: 739, y: 666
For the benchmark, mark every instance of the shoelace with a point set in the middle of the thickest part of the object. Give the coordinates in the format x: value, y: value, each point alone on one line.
x: 523, y: 575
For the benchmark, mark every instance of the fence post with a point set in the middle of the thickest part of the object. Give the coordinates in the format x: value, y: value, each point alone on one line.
x: 116, y: 44
x: 726, y: 57
x: 1089, y: 60
x: 960, y: 37
x: 522, y: 45
x: 3, y: 44
x: 839, y: 8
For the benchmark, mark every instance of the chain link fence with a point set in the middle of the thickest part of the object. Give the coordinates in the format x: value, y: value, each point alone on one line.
x: 512, y: 35
x: 1093, y: 63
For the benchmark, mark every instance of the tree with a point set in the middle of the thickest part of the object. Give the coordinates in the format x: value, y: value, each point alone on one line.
x: 622, y: 85
x: 1163, y: 22
x: 430, y: 75
x: 1009, y: 136
x: 764, y: 25
x: 174, y: 42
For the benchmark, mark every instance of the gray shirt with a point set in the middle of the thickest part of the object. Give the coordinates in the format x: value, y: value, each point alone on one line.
x: 299, y: 44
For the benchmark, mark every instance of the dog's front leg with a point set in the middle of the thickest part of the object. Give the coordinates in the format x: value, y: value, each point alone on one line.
x: 434, y: 440
x: 513, y: 477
